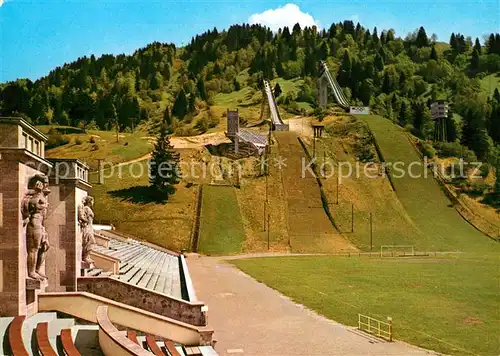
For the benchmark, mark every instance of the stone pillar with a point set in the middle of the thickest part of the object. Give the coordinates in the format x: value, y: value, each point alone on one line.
x: 17, y: 167
x: 322, y: 92
x: 64, y: 258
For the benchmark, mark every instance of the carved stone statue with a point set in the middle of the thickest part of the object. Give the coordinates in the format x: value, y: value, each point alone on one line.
x: 85, y: 219
x: 34, y: 208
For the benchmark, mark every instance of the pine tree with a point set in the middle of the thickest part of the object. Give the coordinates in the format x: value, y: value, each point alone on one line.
x: 167, y: 118
x: 277, y: 90
x: 421, y: 40
x: 477, y: 46
x: 180, y: 108
x: 164, y: 171
x: 453, y: 42
x: 434, y: 54
x: 475, y: 60
x: 200, y: 85
x: 404, y: 115
x: 237, y: 85
x: 494, y: 122
x: 379, y: 62
x: 496, y: 95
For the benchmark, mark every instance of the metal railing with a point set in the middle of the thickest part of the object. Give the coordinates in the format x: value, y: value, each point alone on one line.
x: 375, y: 327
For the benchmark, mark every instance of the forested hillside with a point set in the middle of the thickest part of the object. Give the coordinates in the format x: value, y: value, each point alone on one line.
x: 398, y: 77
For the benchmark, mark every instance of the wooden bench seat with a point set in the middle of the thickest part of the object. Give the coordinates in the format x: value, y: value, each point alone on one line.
x: 169, y: 345
x: 153, y: 346
x: 42, y: 339
x: 67, y: 343
x: 132, y: 335
x: 16, y: 338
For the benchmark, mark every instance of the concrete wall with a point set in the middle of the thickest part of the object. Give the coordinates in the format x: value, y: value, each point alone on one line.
x: 112, y: 341
x: 145, y: 299
x: 11, y: 135
x: 84, y: 306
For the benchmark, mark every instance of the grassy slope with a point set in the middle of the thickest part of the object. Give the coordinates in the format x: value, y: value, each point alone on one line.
x: 391, y: 225
x: 309, y: 228
x: 221, y: 227
x: 129, y: 146
x: 490, y: 82
x: 425, y: 203
x: 446, y: 304
x: 125, y: 202
x: 251, y: 199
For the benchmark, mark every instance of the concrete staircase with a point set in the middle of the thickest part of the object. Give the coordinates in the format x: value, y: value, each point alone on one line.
x: 29, y: 336
x: 143, y: 266
x: 85, y: 338
x: 182, y: 350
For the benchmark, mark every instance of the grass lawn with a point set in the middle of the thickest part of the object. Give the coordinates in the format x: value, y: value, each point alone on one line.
x: 490, y: 82
x: 447, y: 304
x: 128, y: 147
x: 127, y: 203
x: 441, y: 226
x: 221, y: 226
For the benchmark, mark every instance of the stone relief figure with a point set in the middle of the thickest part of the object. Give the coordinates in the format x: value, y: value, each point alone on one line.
x: 85, y: 219
x: 34, y: 208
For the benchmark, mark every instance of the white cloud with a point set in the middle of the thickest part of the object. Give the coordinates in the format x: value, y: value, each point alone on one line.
x: 1, y: 3
x: 288, y: 15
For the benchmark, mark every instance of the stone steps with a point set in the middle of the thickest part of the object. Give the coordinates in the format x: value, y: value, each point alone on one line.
x: 29, y: 327
x: 85, y: 337
x: 143, y: 266
x: 55, y: 327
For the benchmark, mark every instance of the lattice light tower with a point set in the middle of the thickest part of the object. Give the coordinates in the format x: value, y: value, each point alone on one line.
x: 439, y: 113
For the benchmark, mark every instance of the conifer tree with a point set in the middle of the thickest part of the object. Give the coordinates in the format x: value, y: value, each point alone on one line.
x: 164, y: 171
x: 277, y: 90
x: 180, y: 108
x: 477, y: 46
x: 200, y: 85
x: 167, y: 118
x: 422, y: 40
x: 434, y: 54
x: 474, y: 61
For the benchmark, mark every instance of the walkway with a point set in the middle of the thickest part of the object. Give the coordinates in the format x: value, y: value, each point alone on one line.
x: 250, y: 318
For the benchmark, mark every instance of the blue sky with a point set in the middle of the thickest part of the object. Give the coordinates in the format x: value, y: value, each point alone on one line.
x: 37, y: 36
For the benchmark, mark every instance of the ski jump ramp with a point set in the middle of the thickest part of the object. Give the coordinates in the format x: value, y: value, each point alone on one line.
x: 278, y: 123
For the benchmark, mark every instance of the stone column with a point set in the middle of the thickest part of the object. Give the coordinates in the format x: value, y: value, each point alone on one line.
x: 17, y: 167
x: 64, y: 258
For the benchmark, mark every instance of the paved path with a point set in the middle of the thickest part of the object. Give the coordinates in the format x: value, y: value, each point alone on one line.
x: 250, y: 318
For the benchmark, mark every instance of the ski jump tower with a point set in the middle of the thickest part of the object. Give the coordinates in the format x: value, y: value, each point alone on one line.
x: 326, y: 80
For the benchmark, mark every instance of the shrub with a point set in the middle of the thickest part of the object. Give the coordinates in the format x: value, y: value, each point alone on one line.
x: 449, y: 149
x: 92, y: 139
x: 427, y: 149
x: 78, y: 141
x: 478, y: 188
x: 95, y: 147
x: 56, y: 140
x: 484, y: 170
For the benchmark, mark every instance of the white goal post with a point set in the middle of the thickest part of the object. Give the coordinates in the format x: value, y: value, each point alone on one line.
x: 397, y: 250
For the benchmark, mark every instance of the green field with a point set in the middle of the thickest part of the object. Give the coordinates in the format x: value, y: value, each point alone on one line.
x: 490, y: 82
x: 126, y: 200
x: 441, y: 226
x: 221, y: 226
x: 447, y: 304
x: 105, y: 146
